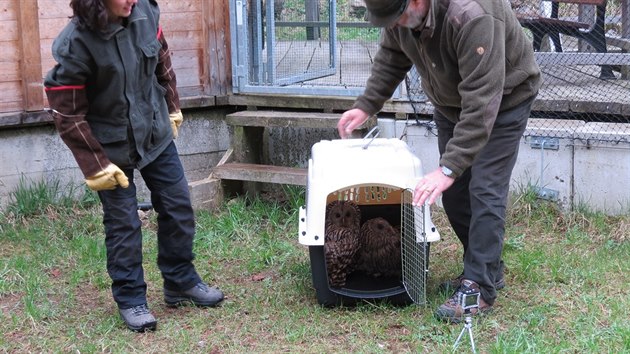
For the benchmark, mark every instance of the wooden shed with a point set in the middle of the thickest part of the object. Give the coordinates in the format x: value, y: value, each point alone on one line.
x: 197, y: 32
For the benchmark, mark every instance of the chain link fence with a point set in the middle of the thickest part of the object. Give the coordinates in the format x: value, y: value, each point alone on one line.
x: 581, y: 46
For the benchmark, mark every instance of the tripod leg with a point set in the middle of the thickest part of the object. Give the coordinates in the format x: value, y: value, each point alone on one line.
x: 472, y: 341
x: 461, y: 334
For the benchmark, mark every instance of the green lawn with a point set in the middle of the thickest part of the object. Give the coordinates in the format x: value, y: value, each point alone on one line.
x: 566, y: 288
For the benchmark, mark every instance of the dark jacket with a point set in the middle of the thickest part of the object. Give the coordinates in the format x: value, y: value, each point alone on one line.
x: 474, y: 61
x: 109, y: 91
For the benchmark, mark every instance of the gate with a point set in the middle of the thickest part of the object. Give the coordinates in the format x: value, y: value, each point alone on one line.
x: 303, y: 47
x: 275, y: 50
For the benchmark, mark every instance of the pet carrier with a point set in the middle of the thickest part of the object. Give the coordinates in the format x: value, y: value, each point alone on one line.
x: 378, y: 177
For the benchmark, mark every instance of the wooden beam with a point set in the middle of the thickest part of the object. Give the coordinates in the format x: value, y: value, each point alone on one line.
x: 217, y: 69
x: 282, y: 119
x: 260, y: 173
x: 625, y: 19
x: 31, y: 63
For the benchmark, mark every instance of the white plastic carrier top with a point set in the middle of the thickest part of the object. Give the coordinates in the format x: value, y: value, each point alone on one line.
x: 340, y: 164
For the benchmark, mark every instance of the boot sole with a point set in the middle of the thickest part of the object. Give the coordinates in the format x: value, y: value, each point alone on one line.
x: 151, y: 326
x: 185, y: 301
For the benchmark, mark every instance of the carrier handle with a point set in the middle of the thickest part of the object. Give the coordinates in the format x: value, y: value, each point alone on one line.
x: 371, y: 134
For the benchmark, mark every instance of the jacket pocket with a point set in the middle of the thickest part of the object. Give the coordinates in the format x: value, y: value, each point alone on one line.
x: 150, y: 53
x: 107, y: 133
x: 161, y: 128
x: 114, y: 140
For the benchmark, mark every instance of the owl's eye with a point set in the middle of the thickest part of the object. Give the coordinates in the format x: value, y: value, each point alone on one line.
x: 337, y: 215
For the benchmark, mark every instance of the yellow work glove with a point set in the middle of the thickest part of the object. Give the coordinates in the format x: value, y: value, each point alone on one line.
x: 176, y: 120
x: 107, y: 179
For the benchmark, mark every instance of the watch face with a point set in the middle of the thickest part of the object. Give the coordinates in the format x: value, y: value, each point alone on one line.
x: 447, y: 171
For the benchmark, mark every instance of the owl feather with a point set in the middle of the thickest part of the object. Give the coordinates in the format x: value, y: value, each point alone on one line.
x: 341, y: 242
x: 380, y: 252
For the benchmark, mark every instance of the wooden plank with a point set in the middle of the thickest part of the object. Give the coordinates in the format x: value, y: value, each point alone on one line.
x: 7, y: 10
x: 581, y: 2
x: 546, y: 58
x: 51, y: 27
x: 31, y: 55
x: 623, y: 43
x: 184, y: 40
x: 625, y: 19
x: 260, y: 173
x: 283, y: 119
x: 217, y: 57
x: 178, y: 21
x: 167, y: 6
x: 54, y: 9
x: 9, y: 30
x: 12, y: 98
x: 9, y: 71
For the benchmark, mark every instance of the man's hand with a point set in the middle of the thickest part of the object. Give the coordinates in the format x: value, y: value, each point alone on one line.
x: 350, y: 120
x: 431, y: 186
x: 176, y: 120
x: 107, y: 179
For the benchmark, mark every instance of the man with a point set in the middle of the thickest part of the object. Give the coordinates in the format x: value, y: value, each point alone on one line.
x: 478, y: 70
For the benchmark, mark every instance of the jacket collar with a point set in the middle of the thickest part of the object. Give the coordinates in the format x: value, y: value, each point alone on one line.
x: 426, y: 29
x: 137, y: 14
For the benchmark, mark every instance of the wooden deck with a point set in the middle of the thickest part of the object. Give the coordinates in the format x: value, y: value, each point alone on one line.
x: 575, y: 88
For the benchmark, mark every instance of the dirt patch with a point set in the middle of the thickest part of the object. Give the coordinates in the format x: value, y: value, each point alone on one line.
x: 10, y: 304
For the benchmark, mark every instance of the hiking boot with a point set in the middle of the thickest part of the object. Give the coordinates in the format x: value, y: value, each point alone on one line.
x: 199, y: 295
x: 138, y: 318
x: 452, y: 310
x: 452, y: 284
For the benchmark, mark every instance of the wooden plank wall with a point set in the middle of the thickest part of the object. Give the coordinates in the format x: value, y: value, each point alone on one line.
x: 197, y: 32
x: 11, y: 97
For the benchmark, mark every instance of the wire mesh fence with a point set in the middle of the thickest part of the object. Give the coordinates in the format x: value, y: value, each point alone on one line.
x: 581, y: 46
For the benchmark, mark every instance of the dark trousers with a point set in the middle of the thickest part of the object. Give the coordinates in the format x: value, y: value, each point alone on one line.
x: 176, y: 228
x: 476, y: 203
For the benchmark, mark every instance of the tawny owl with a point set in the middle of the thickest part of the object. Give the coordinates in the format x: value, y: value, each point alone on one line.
x: 341, y: 242
x: 379, y: 253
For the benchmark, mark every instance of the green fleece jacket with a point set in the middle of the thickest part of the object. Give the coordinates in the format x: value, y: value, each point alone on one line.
x: 474, y: 61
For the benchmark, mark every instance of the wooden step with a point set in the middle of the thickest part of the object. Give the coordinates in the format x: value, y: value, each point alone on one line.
x: 285, y: 119
x: 260, y: 173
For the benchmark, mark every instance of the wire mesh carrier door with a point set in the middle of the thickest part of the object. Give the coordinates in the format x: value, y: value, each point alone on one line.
x: 414, y: 248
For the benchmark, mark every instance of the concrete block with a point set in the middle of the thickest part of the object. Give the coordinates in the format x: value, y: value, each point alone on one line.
x: 602, y: 167
x: 37, y: 153
x: 33, y: 155
x: 203, y: 131
x: 545, y: 160
x: 421, y: 136
x: 206, y: 194
x: 291, y: 147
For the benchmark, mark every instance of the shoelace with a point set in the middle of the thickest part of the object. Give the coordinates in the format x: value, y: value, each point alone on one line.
x: 203, y: 287
x: 140, y: 310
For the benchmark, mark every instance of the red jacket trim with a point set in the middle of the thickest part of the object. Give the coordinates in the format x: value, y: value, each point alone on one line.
x: 70, y: 87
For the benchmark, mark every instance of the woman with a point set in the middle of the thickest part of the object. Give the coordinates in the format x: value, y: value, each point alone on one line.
x: 115, y: 104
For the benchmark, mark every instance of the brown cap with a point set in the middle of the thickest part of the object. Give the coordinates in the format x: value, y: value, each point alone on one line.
x: 384, y: 13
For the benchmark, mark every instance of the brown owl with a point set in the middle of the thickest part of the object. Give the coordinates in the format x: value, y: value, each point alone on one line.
x: 379, y: 254
x: 341, y: 242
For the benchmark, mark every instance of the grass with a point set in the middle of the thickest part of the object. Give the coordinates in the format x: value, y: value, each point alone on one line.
x: 565, y: 290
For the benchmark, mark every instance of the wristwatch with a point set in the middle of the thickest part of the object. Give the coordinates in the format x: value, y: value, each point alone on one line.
x: 447, y: 172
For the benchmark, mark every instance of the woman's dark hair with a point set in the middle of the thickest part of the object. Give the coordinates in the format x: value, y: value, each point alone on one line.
x: 91, y: 14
